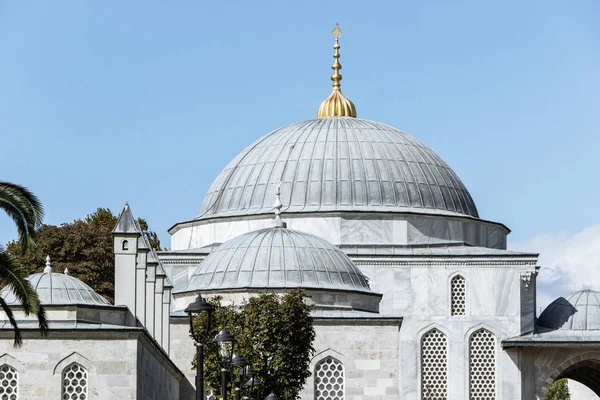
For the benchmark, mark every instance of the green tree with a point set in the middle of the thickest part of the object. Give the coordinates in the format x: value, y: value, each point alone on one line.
x: 24, y: 208
x: 85, y: 247
x: 274, y: 333
x: 559, y: 390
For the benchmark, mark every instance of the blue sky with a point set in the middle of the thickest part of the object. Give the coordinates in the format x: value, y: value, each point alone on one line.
x: 107, y: 102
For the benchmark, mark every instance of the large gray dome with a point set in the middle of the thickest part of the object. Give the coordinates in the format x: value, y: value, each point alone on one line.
x: 576, y: 311
x: 277, y: 258
x: 58, y: 289
x: 338, y: 164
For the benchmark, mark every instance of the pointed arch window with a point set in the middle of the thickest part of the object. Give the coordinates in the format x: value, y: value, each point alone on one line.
x: 329, y: 379
x: 74, y: 383
x: 482, y: 365
x: 458, y: 295
x: 9, y: 383
x: 434, y: 365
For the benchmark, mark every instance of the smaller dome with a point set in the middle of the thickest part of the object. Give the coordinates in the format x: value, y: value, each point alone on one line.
x: 277, y: 258
x: 58, y: 289
x: 576, y: 311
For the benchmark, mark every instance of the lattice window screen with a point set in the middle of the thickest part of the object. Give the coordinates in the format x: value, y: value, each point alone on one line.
x: 329, y: 380
x: 434, y: 366
x: 458, y: 286
x: 74, y: 383
x: 9, y: 383
x: 482, y: 365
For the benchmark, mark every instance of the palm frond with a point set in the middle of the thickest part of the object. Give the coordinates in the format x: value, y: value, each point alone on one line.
x: 18, y: 337
x: 15, y: 278
x: 24, y: 208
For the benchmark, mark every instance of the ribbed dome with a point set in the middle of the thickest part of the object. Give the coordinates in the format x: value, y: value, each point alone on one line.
x: 576, y: 311
x: 337, y: 164
x: 277, y: 258
x: 58, y: 289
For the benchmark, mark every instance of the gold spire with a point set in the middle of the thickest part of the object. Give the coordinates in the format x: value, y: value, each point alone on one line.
x: 336, y: 105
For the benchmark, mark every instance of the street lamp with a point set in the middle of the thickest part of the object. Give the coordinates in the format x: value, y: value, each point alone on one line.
x: 198, y: 307
x: 226, y: 342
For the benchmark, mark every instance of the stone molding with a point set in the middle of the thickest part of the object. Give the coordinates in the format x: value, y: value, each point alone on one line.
x: 74, y: 357
x: 587, y: 356
x: 11, y: 361
x: 449, y: 262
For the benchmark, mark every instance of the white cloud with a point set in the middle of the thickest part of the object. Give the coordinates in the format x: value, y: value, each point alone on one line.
x: 569, y: 263
x: 580, y: 392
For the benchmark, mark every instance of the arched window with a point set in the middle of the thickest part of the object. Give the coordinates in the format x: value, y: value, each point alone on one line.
x: 458, y: 296
x: 125, y: 245
x: 9, y: 383
x: 434, y: 365
x: 74, y: 383
x: 482, y: 365
x: 329, y: 379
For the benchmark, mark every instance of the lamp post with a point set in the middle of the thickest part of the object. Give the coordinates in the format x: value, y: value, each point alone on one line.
x: 198, y: 307
x: 226, y: 343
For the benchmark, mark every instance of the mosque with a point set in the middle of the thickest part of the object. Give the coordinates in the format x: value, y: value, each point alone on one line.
x: 415, y: 295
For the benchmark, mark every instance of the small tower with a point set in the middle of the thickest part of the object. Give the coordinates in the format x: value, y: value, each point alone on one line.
x: 125, y: 238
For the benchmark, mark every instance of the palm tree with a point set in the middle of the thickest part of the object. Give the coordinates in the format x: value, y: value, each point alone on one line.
x: 24, y: 208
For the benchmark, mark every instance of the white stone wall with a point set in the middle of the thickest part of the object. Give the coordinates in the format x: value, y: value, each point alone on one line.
x: 155, y: 381
x: 368, y: 352
x: 420, y: 293
x: 119, y: 366
x: 349, y: 228
x: 183, y: 350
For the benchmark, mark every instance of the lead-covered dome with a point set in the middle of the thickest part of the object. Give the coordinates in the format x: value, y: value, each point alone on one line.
x: 576, y: 311
x: 277, y: 258
x: 338, y: 164
x: 58, y: 289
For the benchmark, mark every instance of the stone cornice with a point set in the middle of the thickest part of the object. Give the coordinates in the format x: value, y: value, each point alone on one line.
x: 489, y: 262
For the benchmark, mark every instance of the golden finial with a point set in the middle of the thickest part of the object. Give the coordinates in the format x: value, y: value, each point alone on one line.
x: 336, y: 105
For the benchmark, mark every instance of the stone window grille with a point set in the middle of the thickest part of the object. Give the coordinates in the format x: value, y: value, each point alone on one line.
x: 329, y: 379
x: 9, y: 383
x: 75, y: 383
x: 482, y: 365
x: 458, y: 286
x: 434, y: 366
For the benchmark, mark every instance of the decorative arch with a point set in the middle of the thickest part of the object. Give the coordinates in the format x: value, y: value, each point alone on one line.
x: 10, y: 369
x: 483, y: 380
x: 592, y: 356
x: 76, y: 359
x: 329, y: 379
x: 321, y: 357
x: 433, y: 362
x: 11, y: 361
x: 457, y: 293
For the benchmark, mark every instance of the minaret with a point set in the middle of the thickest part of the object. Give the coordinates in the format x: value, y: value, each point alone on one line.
x: 336, y: 105
x: 125, y: 239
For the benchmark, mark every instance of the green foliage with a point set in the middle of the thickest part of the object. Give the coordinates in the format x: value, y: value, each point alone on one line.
x: 274, y: 333
x: 84, y: 246
x: 27, y: 212
x: 559, y: 390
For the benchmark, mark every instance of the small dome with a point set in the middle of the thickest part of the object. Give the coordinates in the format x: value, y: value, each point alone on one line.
x: 576, y: 311
x: 277, y: 258
x: 58, y: 289
x: 338, y: 164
